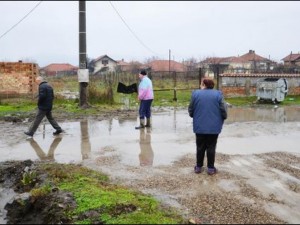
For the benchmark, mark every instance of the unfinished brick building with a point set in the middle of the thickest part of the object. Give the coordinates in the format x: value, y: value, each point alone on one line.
x: 17, y: 78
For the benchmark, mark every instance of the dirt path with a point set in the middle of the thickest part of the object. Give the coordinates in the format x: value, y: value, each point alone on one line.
x: 257, y: 189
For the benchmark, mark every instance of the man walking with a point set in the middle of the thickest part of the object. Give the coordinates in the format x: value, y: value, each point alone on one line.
x: 208, y: 110
x: 45, y: 103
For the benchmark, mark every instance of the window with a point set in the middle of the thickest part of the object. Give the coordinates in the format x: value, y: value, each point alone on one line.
x: 105, y: 62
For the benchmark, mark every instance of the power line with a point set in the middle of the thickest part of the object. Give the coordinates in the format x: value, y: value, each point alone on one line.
x: 21, y: 19
x: 132, y: 30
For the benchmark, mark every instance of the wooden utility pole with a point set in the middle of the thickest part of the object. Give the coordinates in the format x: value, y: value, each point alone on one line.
x: 83, y: 76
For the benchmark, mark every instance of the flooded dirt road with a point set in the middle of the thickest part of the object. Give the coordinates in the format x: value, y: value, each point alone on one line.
x: 258, y: 157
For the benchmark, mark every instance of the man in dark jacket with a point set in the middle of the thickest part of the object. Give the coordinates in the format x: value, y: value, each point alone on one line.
x: 45, y: 102
x: 208, y: 110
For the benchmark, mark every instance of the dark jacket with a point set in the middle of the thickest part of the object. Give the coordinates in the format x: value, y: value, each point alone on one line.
x: 46, y: 96
x: 208, y: 110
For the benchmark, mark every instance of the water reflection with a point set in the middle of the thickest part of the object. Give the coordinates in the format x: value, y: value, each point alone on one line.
x: 146, y: 155
x: 264, y: 114
x: 40, y: 153
x: 247, y: 130
x: 85, y: 140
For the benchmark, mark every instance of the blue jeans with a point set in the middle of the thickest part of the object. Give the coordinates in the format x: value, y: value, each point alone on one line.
x: 145, y: 109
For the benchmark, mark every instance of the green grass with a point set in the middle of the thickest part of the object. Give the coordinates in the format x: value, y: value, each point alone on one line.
x: 115, y: 204
x: 241, y: 101
x: 104, y: 97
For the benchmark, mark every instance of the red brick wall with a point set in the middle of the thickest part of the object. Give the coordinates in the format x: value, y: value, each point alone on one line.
x: 241, y: 91
x: 18, y: 78
x: 233, y: 91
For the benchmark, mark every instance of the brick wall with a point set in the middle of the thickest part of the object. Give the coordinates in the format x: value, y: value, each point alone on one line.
x: 236, y: 86
x: 18, y: 78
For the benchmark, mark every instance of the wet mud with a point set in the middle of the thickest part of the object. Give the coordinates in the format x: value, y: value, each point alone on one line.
x: 258, y: 160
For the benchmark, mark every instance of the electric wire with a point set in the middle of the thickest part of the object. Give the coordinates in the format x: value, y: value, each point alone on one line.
x: 20, y: 20
x: 139, y: 40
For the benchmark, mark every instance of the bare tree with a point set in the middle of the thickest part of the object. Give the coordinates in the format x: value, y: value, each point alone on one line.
x: 191, y: 64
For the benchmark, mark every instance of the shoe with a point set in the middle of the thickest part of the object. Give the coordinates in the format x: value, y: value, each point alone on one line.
x: 28, y: 133
x: 57, y: 132
x: 212, y: 171
x: 198, y: 169
x: 140, y: 127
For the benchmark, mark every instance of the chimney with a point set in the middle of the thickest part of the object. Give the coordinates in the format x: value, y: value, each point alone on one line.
x: 251, y: 51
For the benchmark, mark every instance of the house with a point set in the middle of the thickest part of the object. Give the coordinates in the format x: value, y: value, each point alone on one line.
x: 255, y: 62
x: 59, y: 69
x: 123, y: 66
x: 292, y: 60
x: 247, y: 63
x: 166, y: 65
x: 131, y: 67
x: 104, y: 64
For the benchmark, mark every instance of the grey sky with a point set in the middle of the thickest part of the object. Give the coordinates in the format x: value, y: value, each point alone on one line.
x: 196, y: 29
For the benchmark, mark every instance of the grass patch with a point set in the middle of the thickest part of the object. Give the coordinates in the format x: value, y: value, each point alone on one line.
x: 241, y: 101
x: 113, y: 204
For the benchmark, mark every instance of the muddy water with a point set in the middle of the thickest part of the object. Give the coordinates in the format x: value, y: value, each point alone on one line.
x: 246, y: 131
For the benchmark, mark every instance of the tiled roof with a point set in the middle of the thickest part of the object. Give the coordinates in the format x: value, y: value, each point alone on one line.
x: 163, y: 65
x: 252, y: 56
x: 122, y: 63
x: 291, y: 57
x: 59, y: 67
x: 259, y: 75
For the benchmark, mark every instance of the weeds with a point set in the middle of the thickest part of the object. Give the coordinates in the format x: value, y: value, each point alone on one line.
x: 28, y: 177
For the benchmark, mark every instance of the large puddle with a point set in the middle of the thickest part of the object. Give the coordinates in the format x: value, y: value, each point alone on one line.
x: 246, y: 131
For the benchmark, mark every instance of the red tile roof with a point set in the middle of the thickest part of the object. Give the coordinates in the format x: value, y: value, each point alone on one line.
x: 291, y: 57
x: 122, y: 63
x: 251, y: 56
x: 163, y: 65
x: 59, y: 67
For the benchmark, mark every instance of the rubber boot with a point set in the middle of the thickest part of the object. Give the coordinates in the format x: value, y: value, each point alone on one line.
x: 142, y: 124
x: 148, y: 124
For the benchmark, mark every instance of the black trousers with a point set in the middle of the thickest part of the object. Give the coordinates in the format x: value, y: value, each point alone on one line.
x: 206, y: 143
x: 38, y: 119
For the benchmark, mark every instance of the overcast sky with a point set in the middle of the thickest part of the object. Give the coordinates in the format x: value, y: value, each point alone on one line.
x: 137, y: 30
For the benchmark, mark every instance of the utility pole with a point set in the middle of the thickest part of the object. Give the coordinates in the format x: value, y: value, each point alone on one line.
x: 83, y: 74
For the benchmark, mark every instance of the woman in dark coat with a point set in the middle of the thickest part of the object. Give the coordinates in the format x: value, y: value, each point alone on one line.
x: 208, y: 110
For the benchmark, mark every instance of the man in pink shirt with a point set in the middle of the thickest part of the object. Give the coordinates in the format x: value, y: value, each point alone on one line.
x: 145, y: 96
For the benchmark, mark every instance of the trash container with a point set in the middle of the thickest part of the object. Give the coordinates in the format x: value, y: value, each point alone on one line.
x: 273, y: 89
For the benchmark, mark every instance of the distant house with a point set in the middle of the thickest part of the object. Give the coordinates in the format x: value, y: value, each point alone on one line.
x: 123, y: 66
x: 166, y: 65
x: 104, y: 64
x: 254, y: 61
x: 59, y: 69
x: 292, y: 60
x: 131, y: 67
x: 247, y: 63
